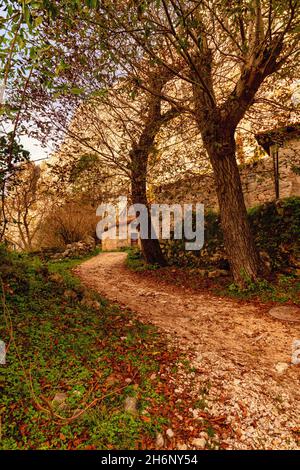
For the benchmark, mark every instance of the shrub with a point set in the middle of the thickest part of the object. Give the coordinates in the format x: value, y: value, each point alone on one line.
x: 68, y: 224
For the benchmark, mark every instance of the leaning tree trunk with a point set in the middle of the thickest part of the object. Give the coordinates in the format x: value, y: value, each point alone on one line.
x: 238, y: 239
x: 150, y: 247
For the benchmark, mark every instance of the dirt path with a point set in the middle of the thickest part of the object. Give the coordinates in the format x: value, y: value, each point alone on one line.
x: 235, y: 348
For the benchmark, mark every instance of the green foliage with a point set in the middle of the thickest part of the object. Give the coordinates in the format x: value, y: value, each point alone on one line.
x: 283, y: 289
x: 85, y: 163
x: 13, y: 268
x: 135, y: 261
x: 11, y: 154
x: 250, y: 287
x: 212, y: 232
x: 84, y: 349
x: 295, y: 169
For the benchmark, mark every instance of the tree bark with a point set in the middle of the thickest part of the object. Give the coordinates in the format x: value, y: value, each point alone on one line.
x: 150, y: 247
x: 238, y: 239
x: 139, y: 156
x: 217, y: 127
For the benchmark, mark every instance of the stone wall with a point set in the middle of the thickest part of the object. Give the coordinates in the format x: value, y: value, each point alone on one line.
x: 111, y: 243
x: 257, y: 180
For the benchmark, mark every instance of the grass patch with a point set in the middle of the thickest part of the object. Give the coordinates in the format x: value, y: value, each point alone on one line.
x: 283, y: 288
x: 135, y: 261
x: 88, y: 352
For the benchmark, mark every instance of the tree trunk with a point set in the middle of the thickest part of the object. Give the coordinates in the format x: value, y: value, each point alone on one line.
x: 217, y: 124
x: 238, y: 239
x: 150, y: 247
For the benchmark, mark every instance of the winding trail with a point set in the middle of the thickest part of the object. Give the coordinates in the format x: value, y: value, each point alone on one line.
x: 234, y: 346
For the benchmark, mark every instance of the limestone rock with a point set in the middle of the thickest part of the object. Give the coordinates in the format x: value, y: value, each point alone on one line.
x: 59, y: 401
x: 182, y: 447
x: 286, y: 313
x: 159, y: 440
x: 199, y: 442
x: 281, y: 367
x: 170, y: 433
x: 130, y: 405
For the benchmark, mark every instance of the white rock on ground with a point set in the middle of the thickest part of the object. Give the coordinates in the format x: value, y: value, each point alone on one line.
x: 130, y: 405
x: 170, y: 433
x: 199, y: 442
x: 281, y: 367
x: 160, y: 442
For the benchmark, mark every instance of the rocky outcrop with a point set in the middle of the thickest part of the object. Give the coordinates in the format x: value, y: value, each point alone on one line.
x: 77, y: 249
